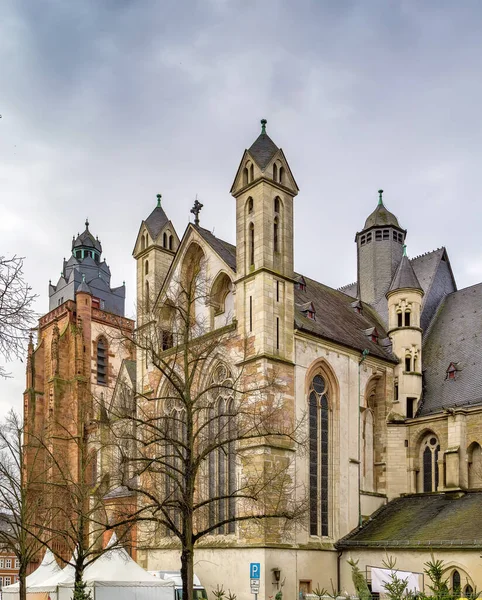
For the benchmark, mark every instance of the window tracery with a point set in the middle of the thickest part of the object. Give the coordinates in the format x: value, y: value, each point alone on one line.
x: 430, y: 449
x: 222, y: 459
x: 318, y: 410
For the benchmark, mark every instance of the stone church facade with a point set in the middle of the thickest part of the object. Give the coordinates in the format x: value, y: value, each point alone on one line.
x: 385, y: 373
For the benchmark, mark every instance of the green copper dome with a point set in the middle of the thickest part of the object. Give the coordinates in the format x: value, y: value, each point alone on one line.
x: 381, y: 217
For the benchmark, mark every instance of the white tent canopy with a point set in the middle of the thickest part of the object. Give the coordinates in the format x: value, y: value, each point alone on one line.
x: 50, y: 584
x: 46, y: 569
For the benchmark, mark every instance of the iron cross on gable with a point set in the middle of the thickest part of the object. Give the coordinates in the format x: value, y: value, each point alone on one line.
x: 196, y: 209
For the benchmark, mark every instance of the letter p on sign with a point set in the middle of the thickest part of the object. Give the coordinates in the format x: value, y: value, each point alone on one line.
x: 254, y: 570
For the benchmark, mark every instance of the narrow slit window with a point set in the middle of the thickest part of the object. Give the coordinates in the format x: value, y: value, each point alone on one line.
x: 251, y: 245
x: 251, y: 313
x: 164, y: 240
x: 277, y: 291
x: 277, y: 333
x: 275, y: 235
x: 275, y: 172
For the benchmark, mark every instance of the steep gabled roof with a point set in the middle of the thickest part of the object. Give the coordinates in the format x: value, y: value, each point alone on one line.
x: 337, y: 321
x: 455, y: 336
x: 422, y: 521
x: 224, y: 250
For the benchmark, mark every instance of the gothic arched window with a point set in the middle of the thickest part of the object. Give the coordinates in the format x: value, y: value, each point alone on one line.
x: 250, y: 205
x: 245, y: 176
x: 281, y: 175
x: 456, y: 582
x: 143, y: 242
x: 164, y: 239
x: 318, y: 456
x: 147, y: 299
x: 170, y: 242
x: 222, y: 460
x: 277, y: 204
x: 430, y: 450
x: 474, y: 458
x: 147, y: 267
x: 251, y: 173
x: 101, y: 361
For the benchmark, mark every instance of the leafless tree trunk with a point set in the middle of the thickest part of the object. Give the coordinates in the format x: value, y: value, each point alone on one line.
x: 19, y: 505
x: 212, y: 443
x: 77, y: 518
x: 16, y: 309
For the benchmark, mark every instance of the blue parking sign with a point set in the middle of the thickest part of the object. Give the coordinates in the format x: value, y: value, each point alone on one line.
x: 254, y: 570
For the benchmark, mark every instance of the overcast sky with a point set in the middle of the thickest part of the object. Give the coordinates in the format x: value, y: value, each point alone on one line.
x: 106, y: 103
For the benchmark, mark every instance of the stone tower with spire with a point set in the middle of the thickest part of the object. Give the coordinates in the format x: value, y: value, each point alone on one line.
x: 264, y: 189
x: 379, y: 252
x: 72, y: 371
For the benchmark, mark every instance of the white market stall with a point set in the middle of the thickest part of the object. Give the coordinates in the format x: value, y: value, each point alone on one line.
x: 49, y: 586
x: 46, y: 569
x: 115, y: 576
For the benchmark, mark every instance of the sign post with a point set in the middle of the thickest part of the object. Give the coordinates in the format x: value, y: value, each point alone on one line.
x: 254, y: 576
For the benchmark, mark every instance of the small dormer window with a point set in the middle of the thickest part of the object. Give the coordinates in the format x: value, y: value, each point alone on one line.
x: 300, y: 283
x: 308, y: 310
x: 357, y: 306
x: 452, y: 371
x: 373, y: 334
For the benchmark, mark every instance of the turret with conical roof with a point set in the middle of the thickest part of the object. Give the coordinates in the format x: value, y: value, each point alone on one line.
x: 379, y: 252
x: 85, y: 271
x: 404, y: 310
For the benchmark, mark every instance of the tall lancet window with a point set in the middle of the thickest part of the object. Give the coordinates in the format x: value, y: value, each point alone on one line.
x: 318, y: 456
x: 430, y: 475
x: 222, y: 459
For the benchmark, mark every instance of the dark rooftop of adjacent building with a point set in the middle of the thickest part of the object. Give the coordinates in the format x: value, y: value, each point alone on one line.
x: 423, y: 521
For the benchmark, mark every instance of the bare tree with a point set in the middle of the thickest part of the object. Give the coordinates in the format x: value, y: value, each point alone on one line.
x: 19, y: 505
x: 16, y: 309
x: 76, y: 516
x: 211, y: 444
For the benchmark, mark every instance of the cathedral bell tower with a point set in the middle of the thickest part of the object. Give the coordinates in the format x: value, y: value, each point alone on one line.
x: 264, y: 189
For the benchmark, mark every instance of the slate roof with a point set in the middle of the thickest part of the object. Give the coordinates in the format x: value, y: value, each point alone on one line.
x: 156, y: 221
x: 223, y: 249
x: 455, y: 336
x: 381, y: 216
x: 131, y: 370
x: 86, y: 240
x: 336, y: 319
x: 404, y: 277
x: 423, y: 521
x: 263, y: 150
